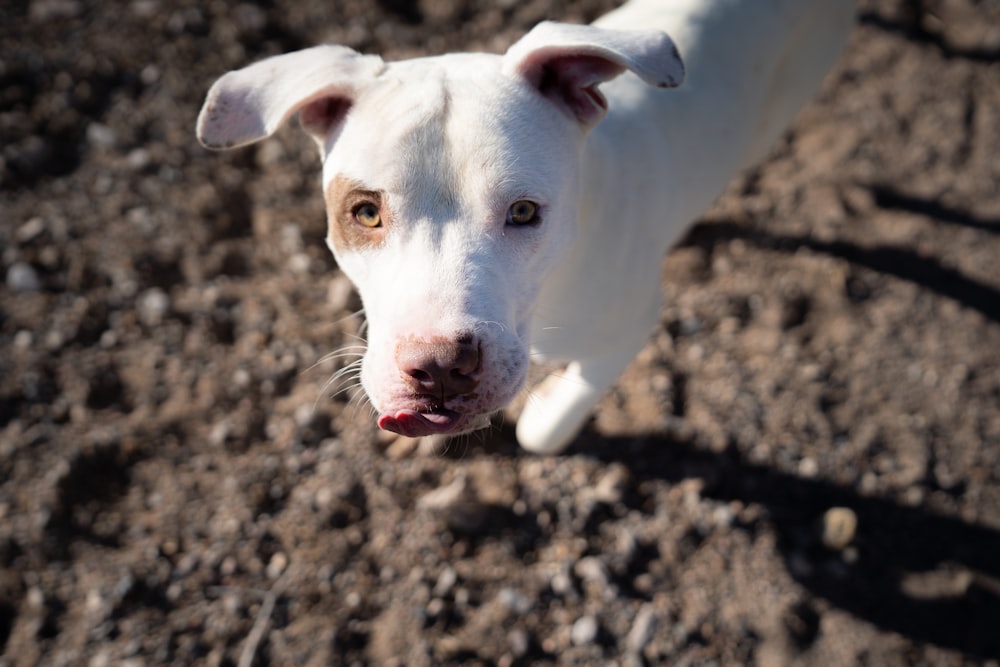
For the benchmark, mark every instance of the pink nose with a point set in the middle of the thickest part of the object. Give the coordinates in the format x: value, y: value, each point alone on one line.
x: 440, y: 367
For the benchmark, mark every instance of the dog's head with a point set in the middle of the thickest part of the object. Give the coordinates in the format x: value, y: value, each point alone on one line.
x: 451, y: 186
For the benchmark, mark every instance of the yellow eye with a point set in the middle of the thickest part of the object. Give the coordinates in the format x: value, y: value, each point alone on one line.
x: 522, y: 212
x: 367, y: 214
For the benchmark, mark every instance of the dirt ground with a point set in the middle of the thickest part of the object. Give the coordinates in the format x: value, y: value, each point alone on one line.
x: 801, y: 468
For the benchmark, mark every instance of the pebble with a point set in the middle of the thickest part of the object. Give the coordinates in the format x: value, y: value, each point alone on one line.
x: 153, y: 306
x: 610, y: 488
x: 561, y: 583
x: 277, y: 565
x: 44, y: 11
x: 445, y: 582
x: 592, y: 570
x: 299, y: 263
x: 519, y: 642
x: 514, y: 601
x: 839, y: 526
x: 138, y: 158
x: 30, y: 230
x: 23, y: 339
x: 443, y: 497
x: 642, y: 630
x: 457, y: 505
x: 21, y: 277
x: 584, y: 631
x: 808, y: 467
x: 101, y: 135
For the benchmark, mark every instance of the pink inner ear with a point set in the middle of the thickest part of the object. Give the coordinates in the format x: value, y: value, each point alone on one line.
x: 320, y: 116
x: 571, y: 81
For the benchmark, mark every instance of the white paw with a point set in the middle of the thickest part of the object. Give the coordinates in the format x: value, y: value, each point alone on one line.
x: 555, y: 412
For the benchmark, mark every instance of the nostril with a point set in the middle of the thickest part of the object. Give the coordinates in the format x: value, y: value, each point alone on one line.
x: 466, y: 360
x: 420, y: 375
x: 440, y: 366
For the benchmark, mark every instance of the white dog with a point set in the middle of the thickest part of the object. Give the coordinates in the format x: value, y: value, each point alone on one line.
x: 493, y: 209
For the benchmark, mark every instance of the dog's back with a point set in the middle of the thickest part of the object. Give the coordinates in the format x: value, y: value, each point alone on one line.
x: 751, y: 66
x: 759, y: 58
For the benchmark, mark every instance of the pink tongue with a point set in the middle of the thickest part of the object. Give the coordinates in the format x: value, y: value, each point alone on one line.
x: 414, y: 424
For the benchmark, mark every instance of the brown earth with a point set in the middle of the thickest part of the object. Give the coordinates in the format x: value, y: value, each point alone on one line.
x: 179, y: 488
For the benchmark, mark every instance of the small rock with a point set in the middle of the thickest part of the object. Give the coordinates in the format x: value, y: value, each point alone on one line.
x: 514, y: 601
x: 839, y: 526
x: 277, y: 565
x: 584, y: 631
x: 149, y: 75
x: 43, y: 11
x: 457, y: 505
x: 299, y: 263
x: 137, y: 158
x: 591, y: 570
x: 153, y: 306
x: 519, y: 642
x: 445, y: 582
x: 30, y: 230
x: 642, y: 629
x: 443, y: 497
x: 808, y: 467
x: 100, y: 659
x: 561, y: 583
x: 101, y: 135
x: 610, y: 488
x: 23, y: 339
x: 21, y: 277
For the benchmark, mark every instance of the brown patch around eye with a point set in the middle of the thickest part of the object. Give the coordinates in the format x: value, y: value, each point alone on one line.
x: 345, y: 198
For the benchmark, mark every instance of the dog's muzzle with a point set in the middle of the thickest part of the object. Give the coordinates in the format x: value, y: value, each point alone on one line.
x: 442, y: 376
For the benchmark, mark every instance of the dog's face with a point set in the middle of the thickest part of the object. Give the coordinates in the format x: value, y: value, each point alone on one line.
x: 451, y: 190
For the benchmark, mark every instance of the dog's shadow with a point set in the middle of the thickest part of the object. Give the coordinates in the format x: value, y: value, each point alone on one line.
x: 932, y: 578
x: 954, y: 564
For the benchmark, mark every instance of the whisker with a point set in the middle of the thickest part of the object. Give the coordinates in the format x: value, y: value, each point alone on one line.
x: 345, y: 351
x: 354, y: 382
x: 341, y: 353
x: 350, y: 374
x: 357, y: 336
x: 349, y: 369
x: 357, y: 313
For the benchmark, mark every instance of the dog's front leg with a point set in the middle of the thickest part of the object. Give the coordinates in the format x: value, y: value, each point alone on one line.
x: 558, y: 407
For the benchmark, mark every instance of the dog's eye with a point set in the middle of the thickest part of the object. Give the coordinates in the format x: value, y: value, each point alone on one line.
x: 367, y: 214
x: 522, y: 212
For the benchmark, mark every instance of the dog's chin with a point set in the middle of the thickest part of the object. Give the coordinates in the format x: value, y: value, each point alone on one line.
x: 415, y: 424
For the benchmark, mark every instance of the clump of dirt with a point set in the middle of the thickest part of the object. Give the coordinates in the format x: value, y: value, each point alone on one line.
x: 800, y: 468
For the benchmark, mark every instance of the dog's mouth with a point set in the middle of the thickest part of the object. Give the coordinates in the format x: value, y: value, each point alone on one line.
x: 442, y: 421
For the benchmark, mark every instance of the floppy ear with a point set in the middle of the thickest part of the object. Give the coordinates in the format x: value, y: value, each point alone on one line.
x: 566, y: 62
x: 249, y: 104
